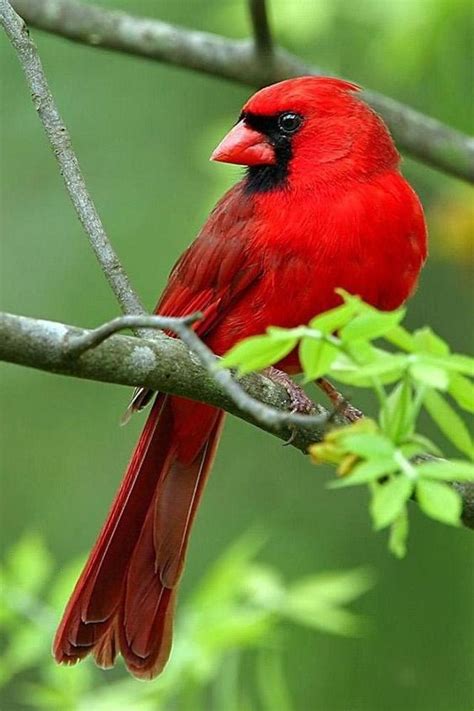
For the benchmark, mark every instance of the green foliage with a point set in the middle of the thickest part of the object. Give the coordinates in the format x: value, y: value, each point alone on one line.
x: 399, y: 534
x: 238, y: 608
x: 388, y: 454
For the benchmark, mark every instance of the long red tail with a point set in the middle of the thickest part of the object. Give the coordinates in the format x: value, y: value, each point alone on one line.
x: 124, y: 599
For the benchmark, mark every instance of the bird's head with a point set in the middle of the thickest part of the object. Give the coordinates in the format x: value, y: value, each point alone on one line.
x: 307, y: 130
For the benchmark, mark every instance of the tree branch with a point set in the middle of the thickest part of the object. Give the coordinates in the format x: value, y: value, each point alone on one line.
x: 182, y: 327
x: 423, y: 137
x: 165, y: 366
x: 77, y: 345
x: 262, y: 33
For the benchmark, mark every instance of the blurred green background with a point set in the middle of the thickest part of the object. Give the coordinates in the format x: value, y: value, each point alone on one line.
x: 143, y: 133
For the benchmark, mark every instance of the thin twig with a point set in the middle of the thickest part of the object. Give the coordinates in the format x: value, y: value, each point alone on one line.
x: 262, y: 413
x: 425, y: 138
x: 76, y: 345
x: 60, y: 141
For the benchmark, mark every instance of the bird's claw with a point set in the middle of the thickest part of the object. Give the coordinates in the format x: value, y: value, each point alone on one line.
x: 350, y: 412
x: 300, y: 403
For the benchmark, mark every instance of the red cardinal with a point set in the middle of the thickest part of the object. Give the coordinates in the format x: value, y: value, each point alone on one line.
x: 323, y: 205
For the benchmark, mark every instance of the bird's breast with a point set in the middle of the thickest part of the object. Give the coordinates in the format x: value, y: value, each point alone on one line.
x: 369, y: 240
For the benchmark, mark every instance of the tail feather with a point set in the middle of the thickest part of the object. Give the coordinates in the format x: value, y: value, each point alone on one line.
x: 124, y: 599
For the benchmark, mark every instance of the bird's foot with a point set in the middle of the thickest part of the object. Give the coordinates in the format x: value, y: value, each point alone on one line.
x: 299, y: 402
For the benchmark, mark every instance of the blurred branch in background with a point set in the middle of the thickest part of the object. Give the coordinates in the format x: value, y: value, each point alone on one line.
x: 262, y: 33
x: 421, y: 136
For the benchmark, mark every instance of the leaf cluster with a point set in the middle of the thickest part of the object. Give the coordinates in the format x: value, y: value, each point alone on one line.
x: 236, y: 612
x: 413, y: 372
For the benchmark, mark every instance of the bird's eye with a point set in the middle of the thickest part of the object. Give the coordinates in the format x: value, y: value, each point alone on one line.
x: 289, y: 122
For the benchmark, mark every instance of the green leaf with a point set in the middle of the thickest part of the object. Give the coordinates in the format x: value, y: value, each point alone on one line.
x: 423, y: 444
x: 263, y: 586
x: 401, y: 338
x: 333, y: 587
x: 366, y: 472
x: 426, y: 340
x: 258, y: 352
x: 451, y: 363
x: 411, y: 449
x: 28, y: 643
x: 371, y: 324
x: 369, y: 446
x: 388, y: 500
x: 448, y: 421
x: 385, y: 365
x: 352, y: 299
x: 29, y: 563
x: 462, y: 363
x: 271, y: 682
x: 226, y: 573
x: 316, y: 601
x: 362, y: 352
x: 396, y: 416
x: 335, y: 620
x: 439, y: 501
x: 334, y: 319
x: 430, y: 375
x: 451, y: 470
x: 462, y: 390
x: 316, y: 356
x: 363, y: 362
x: 397, y: 542
x: 282, y: 334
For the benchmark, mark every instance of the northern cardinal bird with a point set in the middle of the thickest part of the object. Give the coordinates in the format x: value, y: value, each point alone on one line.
x: 323, y: 205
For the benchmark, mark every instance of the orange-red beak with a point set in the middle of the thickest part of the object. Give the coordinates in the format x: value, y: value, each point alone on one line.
x: 244, y: 146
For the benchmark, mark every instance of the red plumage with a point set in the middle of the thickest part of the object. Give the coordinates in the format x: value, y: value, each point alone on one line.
x: 324, y: 206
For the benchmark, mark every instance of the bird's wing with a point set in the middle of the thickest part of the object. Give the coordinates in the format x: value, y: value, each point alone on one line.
x: 217, y: 267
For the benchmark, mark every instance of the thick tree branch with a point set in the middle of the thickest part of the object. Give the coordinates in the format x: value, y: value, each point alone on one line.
x: 166, y: 366
x: 182, y: 327
x: 421, y: 136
